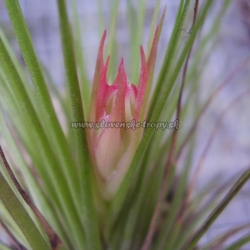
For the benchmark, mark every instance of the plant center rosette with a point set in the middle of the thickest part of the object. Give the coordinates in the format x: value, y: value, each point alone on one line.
x: 117, y: 112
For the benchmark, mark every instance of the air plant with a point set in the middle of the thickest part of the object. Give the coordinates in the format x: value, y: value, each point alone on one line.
x: 108, y: 179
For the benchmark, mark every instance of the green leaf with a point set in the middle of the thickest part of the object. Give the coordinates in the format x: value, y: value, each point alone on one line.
x: 239, y: 243
x: 48, y: 115
x: 21, y: 217
x: 116, y: 204
x: 45, y: 159
x: 4, y: 247
x: 218, y: 210
x: 136, y: 40
x: 169, y: 56
x: 112, y: 40
x: 153, y: 25
x: 87, y: 200
x: 85, y: 85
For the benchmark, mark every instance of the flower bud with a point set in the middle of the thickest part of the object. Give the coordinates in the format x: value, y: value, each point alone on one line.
x: 116, y: 106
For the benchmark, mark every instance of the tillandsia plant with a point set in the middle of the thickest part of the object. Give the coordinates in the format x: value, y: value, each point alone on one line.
x: 110, y: 178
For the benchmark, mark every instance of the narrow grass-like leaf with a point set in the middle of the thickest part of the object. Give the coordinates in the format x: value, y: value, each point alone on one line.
x: 10, y: 223
x: 112, y: 40
x: 21, y: 217
x: 220, y: 241
x: 218, y: 210
x: 17, y: 64
x: 55, y: 91
x: 170, y: 164
x: 136, y: 40
x: 68, y: 168
x: 87, y: 200
x: 165, y: 238
x: 13, y: 239
x: 239, y: 243
x: 169, y: 54
x: 48, y: 167
x: 174, y: 219
x: 37, y: 194
x: 142, y: 146
x: 4, y: 247
x: 153, y: 25
x: 85, y: 85
x: 55, y: 241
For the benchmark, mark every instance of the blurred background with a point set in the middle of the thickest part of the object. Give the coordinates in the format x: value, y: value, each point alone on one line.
x: 229, y: 151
